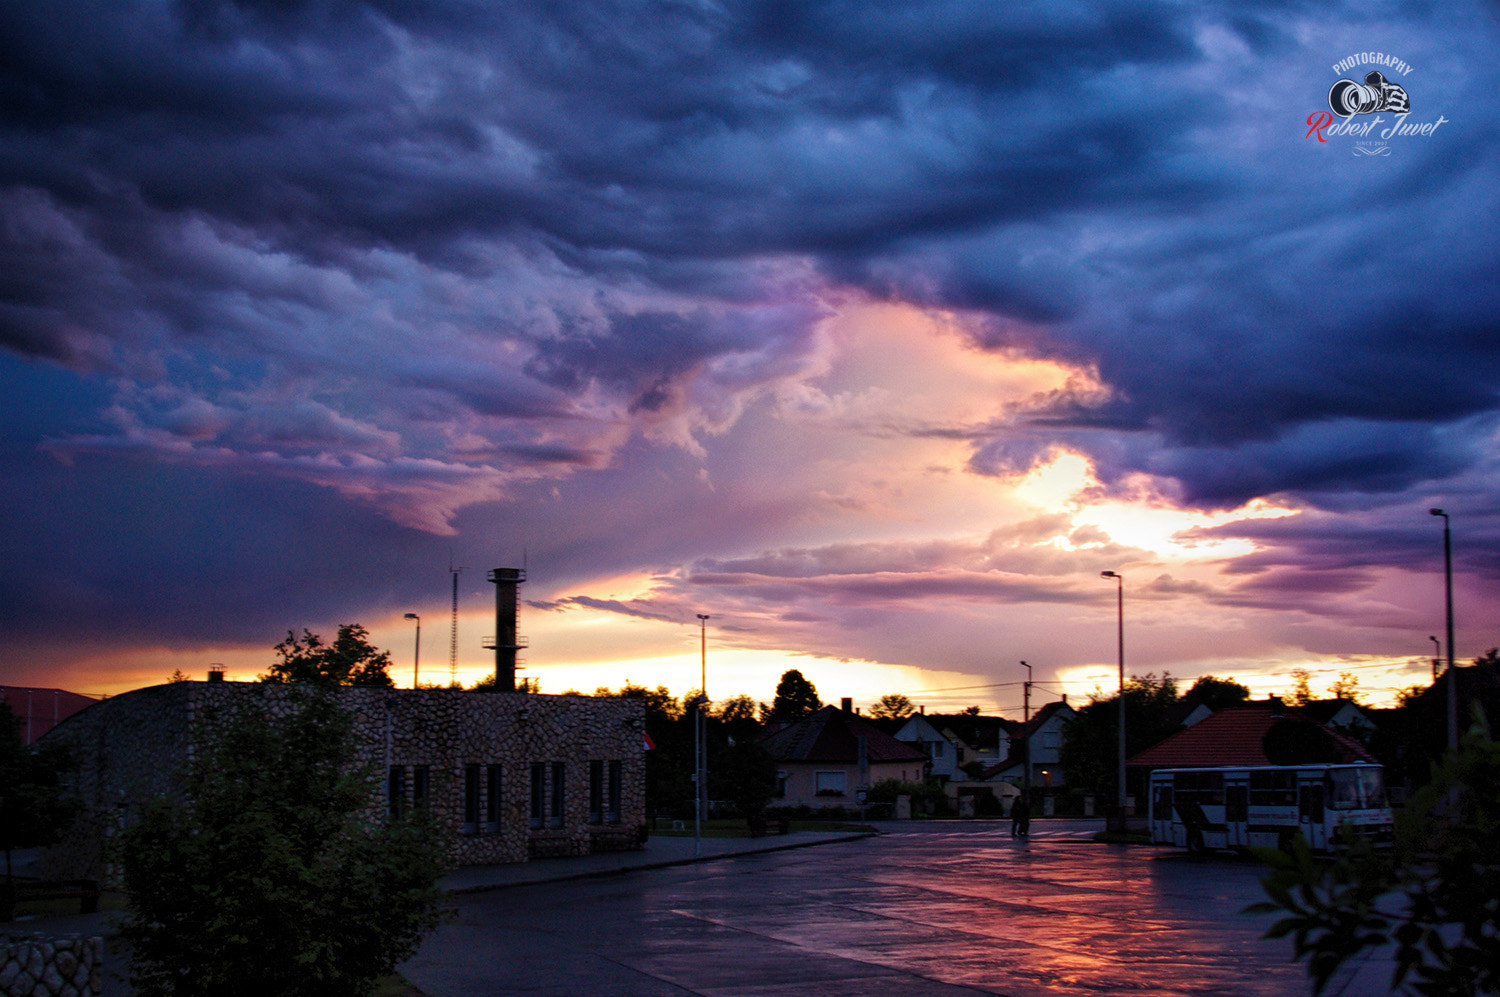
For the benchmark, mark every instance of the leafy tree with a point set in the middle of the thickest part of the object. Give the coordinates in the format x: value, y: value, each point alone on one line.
x: 796, y: 697
x: 349, y: 660
x: 1301, y: 691
x: 892, y: 706
x: 1091, y: 739
x: 1432, y: 894
x: 1347, y: 687
x: 669, y: 766
x: 972, y: 711
x: 736, y: 710
x: 266, y: 873
x: 491, y: 683
x: 745, y: 774
x: 1217, y: 693
x: 34, y: 807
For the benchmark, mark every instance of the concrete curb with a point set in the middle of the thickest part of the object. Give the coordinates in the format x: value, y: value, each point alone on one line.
x: 560, y: 875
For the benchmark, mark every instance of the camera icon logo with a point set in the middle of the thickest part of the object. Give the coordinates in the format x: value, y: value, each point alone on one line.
x: 1347, y: 98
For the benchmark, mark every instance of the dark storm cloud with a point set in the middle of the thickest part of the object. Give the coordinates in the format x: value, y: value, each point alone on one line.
x: 418, y: 253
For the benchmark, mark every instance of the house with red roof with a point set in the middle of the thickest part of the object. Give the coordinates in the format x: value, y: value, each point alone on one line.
x: 1263, y: 732
x: 827, y: 758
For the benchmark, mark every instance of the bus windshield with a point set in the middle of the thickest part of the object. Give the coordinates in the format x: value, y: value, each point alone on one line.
x: 1356, y: 789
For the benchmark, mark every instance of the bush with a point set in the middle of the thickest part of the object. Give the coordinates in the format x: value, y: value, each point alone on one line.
x: 267, y: 874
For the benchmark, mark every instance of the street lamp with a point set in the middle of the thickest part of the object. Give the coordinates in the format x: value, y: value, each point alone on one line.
x: 1448, y: 593
x: 416, y: 657
x: 700, y: 739
x: 1120, y: 604
x: 1025, y: 738
x: 1437, y: 652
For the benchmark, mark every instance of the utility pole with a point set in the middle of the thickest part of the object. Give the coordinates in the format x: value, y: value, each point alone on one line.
x: 700, y: 740
x: 1448, y: 593
x: 1025, y: 737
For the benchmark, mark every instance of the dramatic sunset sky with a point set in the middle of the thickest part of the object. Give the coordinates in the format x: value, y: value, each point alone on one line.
x: 875, y: 331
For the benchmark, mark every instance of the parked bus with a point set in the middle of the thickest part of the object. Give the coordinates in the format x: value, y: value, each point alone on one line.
x: 1266, y: 806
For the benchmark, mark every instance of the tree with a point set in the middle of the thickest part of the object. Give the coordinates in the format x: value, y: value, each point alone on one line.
x: 349, y: 660
x: 1091, y: 739
x: 1301, y: 692
x: 796, y: 697
x: 1347, y: 687
x: 34, y: 808
x: 892, y: 706
x: 1216, y: 693
x: 1432, y: 894
x: 266, y: 872
x: 736, y: 710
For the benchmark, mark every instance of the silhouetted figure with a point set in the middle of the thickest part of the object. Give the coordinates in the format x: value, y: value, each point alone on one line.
x: 1020, y: 818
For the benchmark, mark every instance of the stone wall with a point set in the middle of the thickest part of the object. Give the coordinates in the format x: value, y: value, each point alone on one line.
x: 39, y: 966
x: 130, y: 744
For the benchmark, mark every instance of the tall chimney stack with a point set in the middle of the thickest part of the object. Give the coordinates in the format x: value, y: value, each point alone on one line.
x: 507, y: 641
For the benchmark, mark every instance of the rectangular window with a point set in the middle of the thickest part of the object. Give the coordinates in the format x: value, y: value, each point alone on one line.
x: 471, y: 799
x: 830, y: 783
x: 395, y: 791
x: 538, y: 793
x: 616, y: 786
x: 492, y: 797
x: 555, y: 817
x: 596, y: 792
x: 419, y: 786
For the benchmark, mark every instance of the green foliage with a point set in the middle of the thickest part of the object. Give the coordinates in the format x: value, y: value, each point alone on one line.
x: 1091, y: 739
x: 795, y: 698
x: 268, y: 873
x: 886, y: 791
x: 1435, y: 894
x: 737, y: 710
x: 34, y: 808
x: 349, y: 660
x: 892, y: 706
x: 1217, y: 693
x: 1301, y: 693
x: 746, y: 775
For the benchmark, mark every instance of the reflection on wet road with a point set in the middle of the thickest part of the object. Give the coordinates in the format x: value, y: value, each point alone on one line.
x: 927, y: 912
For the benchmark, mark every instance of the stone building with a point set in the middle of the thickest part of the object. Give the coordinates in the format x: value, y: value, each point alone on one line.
x: 512, y: 776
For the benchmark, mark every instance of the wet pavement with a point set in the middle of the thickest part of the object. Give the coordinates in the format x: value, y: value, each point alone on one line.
x: 925, y: 909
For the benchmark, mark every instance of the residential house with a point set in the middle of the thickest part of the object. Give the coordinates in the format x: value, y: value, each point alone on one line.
x: 830, y: 757
x: 980, y: 740
x: 1262, y: 732
x: 508, y: 776
x: 1039, y: 741
x: 944, y: 755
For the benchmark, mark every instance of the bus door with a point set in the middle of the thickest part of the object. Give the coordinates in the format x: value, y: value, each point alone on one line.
x: 1161, y: 811
x: 1310, y: 816
x: 1236, y: 814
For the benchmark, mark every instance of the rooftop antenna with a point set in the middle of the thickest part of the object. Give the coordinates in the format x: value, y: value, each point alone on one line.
x: 453, y: 639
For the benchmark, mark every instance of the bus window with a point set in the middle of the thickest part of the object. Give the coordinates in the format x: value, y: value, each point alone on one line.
x: 1273, y: 789
x: 1356, y: 789
x: 1162, y: 806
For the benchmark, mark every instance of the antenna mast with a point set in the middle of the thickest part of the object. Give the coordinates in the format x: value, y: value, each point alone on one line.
x: 453, y: 640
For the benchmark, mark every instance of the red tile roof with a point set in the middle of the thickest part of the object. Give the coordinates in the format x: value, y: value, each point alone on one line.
x: 831, y: 735
x: 1237, y: 736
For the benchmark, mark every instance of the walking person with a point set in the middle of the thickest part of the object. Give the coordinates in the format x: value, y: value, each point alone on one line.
x: 1020, y: 818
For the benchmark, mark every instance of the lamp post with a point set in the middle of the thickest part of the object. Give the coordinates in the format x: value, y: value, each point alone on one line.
x: 700, y: 739
x: 1025, y: 737
x: 1120, y: 606
x: 1448, y: 596
x: 416, y: 657
x: 1437, y: 652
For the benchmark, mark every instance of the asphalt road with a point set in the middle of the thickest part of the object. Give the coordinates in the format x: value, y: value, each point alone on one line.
x: 925, y: 909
